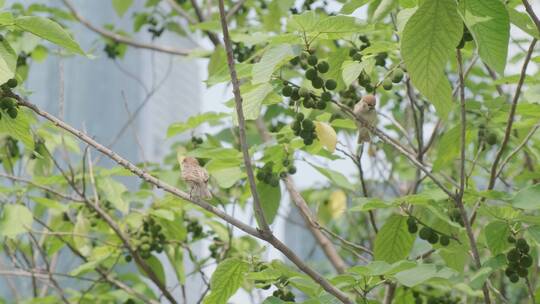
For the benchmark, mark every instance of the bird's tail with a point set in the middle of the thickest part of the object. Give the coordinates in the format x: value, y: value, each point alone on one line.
x: 363, y: 135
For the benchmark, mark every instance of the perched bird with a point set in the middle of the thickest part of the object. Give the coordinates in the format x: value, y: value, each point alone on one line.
x: 196, y: 177
x: 365, y: 109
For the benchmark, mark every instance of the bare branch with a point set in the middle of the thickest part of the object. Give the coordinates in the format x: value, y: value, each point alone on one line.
x: 259, y: 213
x: 531, y: 13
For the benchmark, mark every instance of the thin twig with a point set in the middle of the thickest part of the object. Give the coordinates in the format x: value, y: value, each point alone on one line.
x: 259, y: 213
x: 518, y: 148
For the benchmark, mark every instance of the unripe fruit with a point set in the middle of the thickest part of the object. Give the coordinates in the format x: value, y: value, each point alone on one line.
x: 295, y: 60
x: 433, y: 238
x: 12, y: 83
x: 312, y: 60
x: 303, y: 92
x: 513, y: 255
x: 411, y: 221
x: 308, y: 124
x: 352, y: 52
x: 445, y: 240
x: 511, y: 239
x: 526, y: 261
x: 357, y: 57
x: 522, y: 272
x: 397, y: 76
x: 491, y: 139
x: 300, y: 116
x: 509, y: 271
x: 295, y: 95
x: 323, y: 67
x: 331, y: 84
x: 522, y: 245
x: 292, y: 170
x: 12, y: 112
x: 311, y: 74
x: 287, y: 91
x: 425, y: 233
x: 514, y: 278
x: 412, y: 228
x: 326, y: 96
x: 387, y: 84
x: 317, y: 83
x: 321, y: 105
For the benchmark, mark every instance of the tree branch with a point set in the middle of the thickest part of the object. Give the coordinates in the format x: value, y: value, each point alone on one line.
x: 259, y: 213
x: 185, y: 196
x: 122, y: 39
x: 531, y: 13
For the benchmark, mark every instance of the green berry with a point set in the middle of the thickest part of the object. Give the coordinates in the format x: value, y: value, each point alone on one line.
x: 522, y: 245
x: 413, y: 228
x: 295, y: 60
x: 387, y: 84
x: 397, y: 75
x: 511, y: 239
x: 317, y: 83
x: 295, y: 95
x: 291, y: 169
x: 287, y: 91
x: 283, y: 174
x: 491, y: 139
x: 357, y: 57
x: 321, y: 105
x: 308, y: 124
x: 425, y: 233
x: 323, y: 67
x: 514, y: 278
x: 285, y: 162
x: 513, y: 255
x: 526, y: 261
x: 12, y: 83
x: 300, y: 116
x: 128, y: 258
x: 311, y: 74
x: 308, y: 141
x: 445, y: 240
x: 509, y: 271
x: 312, y: 60
x: 522, y: 272
x: 433, y: 238
x: 303, y: 92
x: 352, y: 52
x: 411, y: 221
x: 331, y: 84
x: 326, y: 96
x: 12, y: 112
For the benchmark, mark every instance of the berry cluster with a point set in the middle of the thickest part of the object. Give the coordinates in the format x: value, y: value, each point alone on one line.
x: 467, y: 37
x: 242, y: 52
x: 305, y: 128
x: 195, y: 229
x: 154, y: 27
x: 284, y: 294
x: 113, y: 49
x: 268, y: 173
x: 196, y: 140
x: 487, y: 136
x: 149, y: 239
x: 8, y: 104
x: 427, y: 233
x: 519, y: 260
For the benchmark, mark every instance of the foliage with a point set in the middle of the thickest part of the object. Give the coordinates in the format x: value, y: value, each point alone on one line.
x: 443, y: 207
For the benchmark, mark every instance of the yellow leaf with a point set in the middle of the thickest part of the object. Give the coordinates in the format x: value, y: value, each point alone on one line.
x: 327, y: 135
x: 337, y: 204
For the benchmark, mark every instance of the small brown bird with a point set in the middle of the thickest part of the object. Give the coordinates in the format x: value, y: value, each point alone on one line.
x: 365, y: 109
x: 196, y: 177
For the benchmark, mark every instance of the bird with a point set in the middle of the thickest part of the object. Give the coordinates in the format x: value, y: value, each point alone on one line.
x: 365, y: 109
x: 196, y: 177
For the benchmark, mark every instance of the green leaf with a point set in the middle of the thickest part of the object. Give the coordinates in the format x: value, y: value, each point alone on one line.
x: 336, y: 177
x: 6, y: 18
x: 121, y: 6
x: 252, y: 100
x: 226, y: 172
x: 524, y: 22
x: 350, y: 6
x: 421, y: 273
x: 113, y: 191
x: 429, y: 39
x: 527, y: 198
x: 80, y: 232
x: 270, y: 200
x: 496, y: 234
x: 48, y: 30
x: 226, y: 279
x: 270, y: 61
x: 489, y: 24
x: 156, y: 266
x: 16, y: 219
x: 393, y: 242
x: 383, y: 9
x: 194, y: 121
x: 478, y: 279
x: 19, y: 128
x: 8, y: 61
